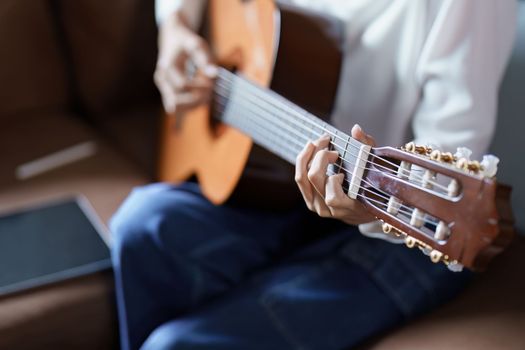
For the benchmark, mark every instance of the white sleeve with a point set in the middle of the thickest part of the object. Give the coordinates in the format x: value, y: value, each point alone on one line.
x: 459, y: 72
x: 192, y: 10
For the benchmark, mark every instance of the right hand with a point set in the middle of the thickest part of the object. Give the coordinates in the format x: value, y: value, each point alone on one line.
x: 179, y: 45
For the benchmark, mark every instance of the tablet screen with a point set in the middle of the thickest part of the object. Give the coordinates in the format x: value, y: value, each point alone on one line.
x: 48, y: 244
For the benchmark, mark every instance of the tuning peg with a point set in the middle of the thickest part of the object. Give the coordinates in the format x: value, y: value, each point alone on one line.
x: 410, y: 242
x: 435, y: 256
x: 463, y: 152
x: 489, y: 165
x: 474, y: 166
x: 410, y: 147
x: 413, y: 148
x: 463, y: 157
x: 447, y: 157
x: 436, y: 155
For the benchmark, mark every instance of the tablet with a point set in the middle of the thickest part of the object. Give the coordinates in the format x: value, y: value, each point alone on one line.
x: 50, y: 243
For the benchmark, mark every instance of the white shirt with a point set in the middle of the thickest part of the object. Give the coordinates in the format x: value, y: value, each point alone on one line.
x: 422, y: 70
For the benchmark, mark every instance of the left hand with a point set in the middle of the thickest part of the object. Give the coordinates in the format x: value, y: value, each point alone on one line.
x: 324, y: 194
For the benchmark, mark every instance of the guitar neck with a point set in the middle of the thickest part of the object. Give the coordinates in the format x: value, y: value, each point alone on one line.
x: 273, y: 122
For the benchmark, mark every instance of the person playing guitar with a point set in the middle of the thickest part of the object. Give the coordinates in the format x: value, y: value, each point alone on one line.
x: 191, y: 274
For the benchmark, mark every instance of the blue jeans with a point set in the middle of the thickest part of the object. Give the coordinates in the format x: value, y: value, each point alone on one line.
x: 191, y: 275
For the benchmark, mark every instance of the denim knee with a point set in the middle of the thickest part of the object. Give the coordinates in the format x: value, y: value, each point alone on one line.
x: 134, y: 222
x: 156, y: 216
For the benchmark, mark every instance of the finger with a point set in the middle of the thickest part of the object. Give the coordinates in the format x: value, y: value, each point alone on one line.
x: 341, y: 205
x: 317, y: 172
x: 301, y: 171
x: 167, y: 92
x: 320, y: 207
x: 322, y: 142
x: 177, y: 72
x: 201, y: 57
x: 335, y: 197
x: 358, y: 134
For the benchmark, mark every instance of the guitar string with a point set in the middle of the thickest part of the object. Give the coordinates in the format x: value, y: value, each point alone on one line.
x: 285, y: 138
x: 408, y: 210
x: 302, y: 114
x: 305, y: 116
x: 293, y: 130
x: 305, y: 139
x: 288, y: 140
x: 409, y: 173
x: 408, y: 213
x: 312, y: 122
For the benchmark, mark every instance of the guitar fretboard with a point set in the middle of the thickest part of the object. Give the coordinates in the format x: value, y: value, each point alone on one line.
x: 273, y: 122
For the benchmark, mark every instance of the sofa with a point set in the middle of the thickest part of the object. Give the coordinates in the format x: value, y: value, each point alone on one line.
x: 80, y: 71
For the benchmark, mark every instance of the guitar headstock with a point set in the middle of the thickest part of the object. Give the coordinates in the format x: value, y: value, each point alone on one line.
x: 450, y: 207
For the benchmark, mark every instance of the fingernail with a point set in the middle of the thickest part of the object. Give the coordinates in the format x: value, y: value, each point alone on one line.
x: 357, y: 127
x: 211, y: 71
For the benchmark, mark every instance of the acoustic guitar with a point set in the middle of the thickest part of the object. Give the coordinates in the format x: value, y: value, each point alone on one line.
x: 448, y: 206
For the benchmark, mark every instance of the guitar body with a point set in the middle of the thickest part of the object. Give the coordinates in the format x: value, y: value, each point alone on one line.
x: 295, y: 53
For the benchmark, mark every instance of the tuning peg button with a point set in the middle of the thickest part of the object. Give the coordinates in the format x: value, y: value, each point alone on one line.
x: 463, y: 152
x: 489, y: 165
x: 410, y: 147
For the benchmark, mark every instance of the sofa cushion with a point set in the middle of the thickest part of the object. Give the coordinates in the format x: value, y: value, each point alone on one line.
x: 490, y: 314
x: 113, y: 49
x: 104, y: 178
x: 113, y: 52
x: 76, y: 314
x: 32, y: 70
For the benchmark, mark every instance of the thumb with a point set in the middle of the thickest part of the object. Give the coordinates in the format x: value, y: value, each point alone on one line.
x: 361, y: 136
